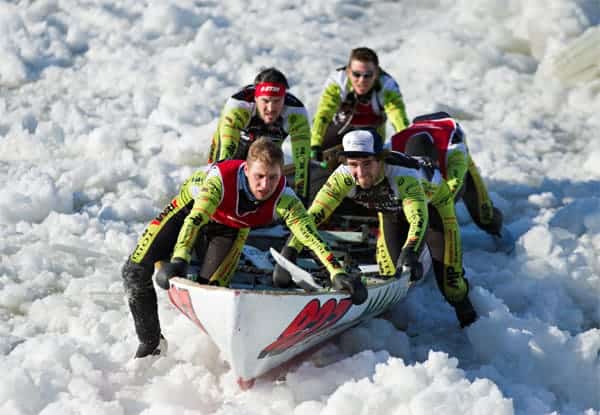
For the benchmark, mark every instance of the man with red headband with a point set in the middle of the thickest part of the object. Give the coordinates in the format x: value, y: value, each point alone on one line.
x: 267, y: 109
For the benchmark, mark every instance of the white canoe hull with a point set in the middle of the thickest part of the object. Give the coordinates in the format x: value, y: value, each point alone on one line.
x: 260, y: 330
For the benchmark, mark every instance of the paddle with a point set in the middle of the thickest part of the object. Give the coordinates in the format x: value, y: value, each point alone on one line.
x: 302, y: 278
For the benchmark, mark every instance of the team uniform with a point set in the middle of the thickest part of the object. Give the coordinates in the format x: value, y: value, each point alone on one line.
x: 240, y: 125
x: 414, y: 205
x: 456, y: 166
x: 444, y: 241
x: 398, y: 199
x: 212, y: 214
x: 340, y: 109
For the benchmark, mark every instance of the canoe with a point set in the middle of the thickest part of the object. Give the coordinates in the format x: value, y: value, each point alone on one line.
x: 260, y: 329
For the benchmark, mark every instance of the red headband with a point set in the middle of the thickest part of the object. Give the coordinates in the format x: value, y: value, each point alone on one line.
x: 270, y: 89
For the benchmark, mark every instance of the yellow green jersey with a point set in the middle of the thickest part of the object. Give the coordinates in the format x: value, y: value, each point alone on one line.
x: 399, y: 189
x: 240, y: 119
x: 341, y: 104
x: 217, y: 194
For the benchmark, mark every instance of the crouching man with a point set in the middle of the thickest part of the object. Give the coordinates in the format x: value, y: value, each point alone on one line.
x: 440, y: 138
x: 414, y: 206
x: 213, y: 214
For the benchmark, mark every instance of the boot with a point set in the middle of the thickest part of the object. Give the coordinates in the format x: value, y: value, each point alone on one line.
x: 156, y: 349
x: 465, y: 313
x: 141, y: 297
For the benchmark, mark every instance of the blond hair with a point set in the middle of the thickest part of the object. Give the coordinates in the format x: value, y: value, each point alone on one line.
x: 263, y: 149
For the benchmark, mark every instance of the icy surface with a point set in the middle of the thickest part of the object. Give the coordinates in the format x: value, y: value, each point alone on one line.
x: 107, y: 106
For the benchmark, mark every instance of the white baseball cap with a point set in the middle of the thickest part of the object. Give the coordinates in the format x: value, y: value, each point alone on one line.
x: 361, y: 143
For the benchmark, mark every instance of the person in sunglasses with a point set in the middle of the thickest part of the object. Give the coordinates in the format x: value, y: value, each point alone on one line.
x: 212, y: 215
x: 265, y: 108
x: 357, y: 95
x: 440, y: 138
x: 414, y: 205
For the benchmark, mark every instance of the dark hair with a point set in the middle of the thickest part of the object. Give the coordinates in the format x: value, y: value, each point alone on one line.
x: 381, y: 156
x: 421, y: 144
x: 363, y: 54
x: 265, y: 150
x: 271, y: 75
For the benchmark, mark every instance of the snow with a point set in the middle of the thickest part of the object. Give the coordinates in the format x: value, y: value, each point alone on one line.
x: 105, y: 107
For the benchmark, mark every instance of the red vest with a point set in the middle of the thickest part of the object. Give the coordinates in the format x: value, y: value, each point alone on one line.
x: 227, y: 211
x: 364, y: 116
x: 441, y: 130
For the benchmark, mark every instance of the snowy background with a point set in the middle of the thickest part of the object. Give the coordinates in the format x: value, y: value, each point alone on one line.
x: 106, y: 106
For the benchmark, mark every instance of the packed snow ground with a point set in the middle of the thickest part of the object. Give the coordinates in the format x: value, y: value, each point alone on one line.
x: 105, y: 107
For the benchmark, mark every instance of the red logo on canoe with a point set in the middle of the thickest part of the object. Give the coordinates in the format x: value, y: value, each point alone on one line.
x: 313, y: 319
x: 181, y: 299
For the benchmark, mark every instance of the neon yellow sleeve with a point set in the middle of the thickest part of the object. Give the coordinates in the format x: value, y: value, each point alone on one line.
x: 329, y: 104
x: 299, y: 131
x: 414, y: 206
x: 234, y: 118
x: 337, y: 186
x: 456, y: 168
x: 206, y: 190
x: 393, y: 105
x: 302, y: 226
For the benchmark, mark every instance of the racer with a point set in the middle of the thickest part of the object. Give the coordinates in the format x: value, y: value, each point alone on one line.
x: 443, y: 140
x: 414, y: 205
x: 265, y: 108
x: 356, y: 96
x: 213, y: 214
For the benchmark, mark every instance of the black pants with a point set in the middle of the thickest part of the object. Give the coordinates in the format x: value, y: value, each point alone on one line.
x: 213, y: 245
x: 394, y: 229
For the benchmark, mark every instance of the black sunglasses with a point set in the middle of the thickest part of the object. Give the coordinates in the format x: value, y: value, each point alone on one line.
x: 358, y: 75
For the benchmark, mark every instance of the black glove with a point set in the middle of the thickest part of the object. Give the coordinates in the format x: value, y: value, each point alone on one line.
x: 177, y: 267
x: 354, y: 285
x: 409, y: 263
x: 282, y: 278
x: 316, y: 153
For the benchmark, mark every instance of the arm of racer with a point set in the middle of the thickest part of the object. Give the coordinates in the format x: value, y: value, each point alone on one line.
x: 329, y: 197
x: 438, y: 194
x: 302, y: 226
x: 206, y: 192
x: 329, y: 104
x: 235, y: 117
x: 414, y: 205
x: 299, y: 131
x: 393, y: 105
x: 457, y: 164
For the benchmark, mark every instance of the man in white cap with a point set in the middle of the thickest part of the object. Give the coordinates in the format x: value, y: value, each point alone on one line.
x: 211, y: 216
x: 399, y: 189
